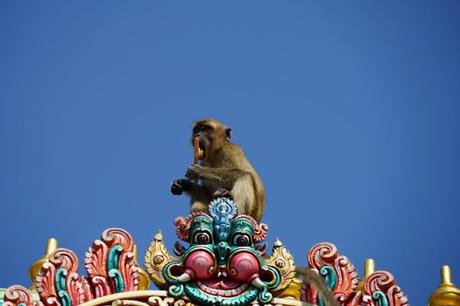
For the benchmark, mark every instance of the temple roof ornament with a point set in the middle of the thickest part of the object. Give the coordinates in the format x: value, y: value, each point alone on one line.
x: 224, y: 262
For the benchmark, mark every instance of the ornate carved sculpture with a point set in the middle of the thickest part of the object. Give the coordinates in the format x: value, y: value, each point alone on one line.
x: 378, y: 287
x: 339, y: 273
x: 18, y: 295
x: 58, y: 282
x: 225, y: 263
x: 110, y: 263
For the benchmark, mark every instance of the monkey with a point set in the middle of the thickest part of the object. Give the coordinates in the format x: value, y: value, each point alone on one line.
x: 314, y: 279
x: 223, y: 171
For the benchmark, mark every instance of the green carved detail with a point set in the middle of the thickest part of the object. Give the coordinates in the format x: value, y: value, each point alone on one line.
x: 61, y: 288
x: 381, y: 298
x: 112, y: 268
x: 210, y: 300
x: 265, y: 296
x: 176, y: 290
x: 330, y: 276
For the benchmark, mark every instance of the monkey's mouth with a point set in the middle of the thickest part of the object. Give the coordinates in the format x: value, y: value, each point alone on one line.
x: 201, y: 151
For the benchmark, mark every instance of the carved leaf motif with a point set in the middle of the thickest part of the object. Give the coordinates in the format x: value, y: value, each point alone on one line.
x: 45, y: 283
x: 113, y: 236
x: 96, y: 259
x: 326, y: 254
x: 16, y: 295
x: 124, y: 275
x: 347, y: 278
x: 61, y: 270
x: 156, y: 257
x: 128, y: 269
x: 284, y: 262
x: 383, y: 282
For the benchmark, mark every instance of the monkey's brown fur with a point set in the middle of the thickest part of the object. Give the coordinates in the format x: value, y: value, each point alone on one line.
x: 319, y: 284
x: 224, y: 171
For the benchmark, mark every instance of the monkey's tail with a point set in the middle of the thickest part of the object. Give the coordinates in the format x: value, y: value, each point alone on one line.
x: 312, y: 278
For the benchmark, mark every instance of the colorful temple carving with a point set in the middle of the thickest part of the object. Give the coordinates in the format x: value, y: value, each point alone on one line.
x: 225, y: 262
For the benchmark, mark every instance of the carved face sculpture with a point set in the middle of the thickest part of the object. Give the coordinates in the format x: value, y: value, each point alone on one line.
x: 223, y: 264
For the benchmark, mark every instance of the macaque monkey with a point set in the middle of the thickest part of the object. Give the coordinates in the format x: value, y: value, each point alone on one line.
x: 222, y: 171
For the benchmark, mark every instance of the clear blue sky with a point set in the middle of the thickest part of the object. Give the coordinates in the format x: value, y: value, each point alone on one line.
x: 349, y: 111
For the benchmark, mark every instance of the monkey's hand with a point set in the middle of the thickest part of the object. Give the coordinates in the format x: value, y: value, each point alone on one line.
x: 179, y: 186
x: 194, y: 172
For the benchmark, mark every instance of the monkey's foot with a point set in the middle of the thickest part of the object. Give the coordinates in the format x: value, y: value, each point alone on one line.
x: 222, y: 193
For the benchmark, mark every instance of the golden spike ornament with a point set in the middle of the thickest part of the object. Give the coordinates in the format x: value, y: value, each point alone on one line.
x: 51, y: 246
x: 446, y: 294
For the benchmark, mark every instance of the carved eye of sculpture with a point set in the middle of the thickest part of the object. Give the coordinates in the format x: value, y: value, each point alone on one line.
x: 241, y: 240
x: 202, y: 238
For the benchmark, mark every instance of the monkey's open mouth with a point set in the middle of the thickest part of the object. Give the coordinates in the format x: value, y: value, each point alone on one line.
x: 201, y: 154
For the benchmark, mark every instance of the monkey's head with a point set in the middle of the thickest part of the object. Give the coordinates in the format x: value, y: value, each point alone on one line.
x: 213, y: 135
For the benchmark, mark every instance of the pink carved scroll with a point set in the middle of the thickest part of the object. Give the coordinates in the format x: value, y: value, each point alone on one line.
x: 62, y: 268
x: 96, y: 262
x: 16, y: 295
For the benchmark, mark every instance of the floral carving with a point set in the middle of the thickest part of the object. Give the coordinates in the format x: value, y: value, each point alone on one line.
x: 110, y: 263
x: 380, y: 289
x: 18, y: 295
x: 339, y: 273
x: 58, y: 282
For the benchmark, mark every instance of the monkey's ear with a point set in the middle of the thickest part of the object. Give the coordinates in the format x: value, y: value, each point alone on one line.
x: 228, y: 133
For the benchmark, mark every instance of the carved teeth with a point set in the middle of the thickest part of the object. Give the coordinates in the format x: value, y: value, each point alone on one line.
x: 222, y: 292
x: 257, y: 282
x: 185, y: 277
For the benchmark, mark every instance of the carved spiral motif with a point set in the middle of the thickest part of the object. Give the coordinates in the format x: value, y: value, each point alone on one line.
x: 325, y: 257
x: 158, y: 259
x: 280, y: 263
x: 17, y: 295
x: 113, y: 236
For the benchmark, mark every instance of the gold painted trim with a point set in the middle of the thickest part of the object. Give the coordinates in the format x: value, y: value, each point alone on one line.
x: 126, y: 295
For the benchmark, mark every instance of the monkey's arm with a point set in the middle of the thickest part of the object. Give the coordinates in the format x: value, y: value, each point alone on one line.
x: 319, y: 284
x: 226, y: 176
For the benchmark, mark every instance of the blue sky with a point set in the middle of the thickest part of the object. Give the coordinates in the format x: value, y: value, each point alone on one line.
x: 348, y: 110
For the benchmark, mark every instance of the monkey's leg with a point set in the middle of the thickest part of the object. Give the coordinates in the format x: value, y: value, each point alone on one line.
x: 199, y: 198
x: 223, y: 193
x: 243, y: 194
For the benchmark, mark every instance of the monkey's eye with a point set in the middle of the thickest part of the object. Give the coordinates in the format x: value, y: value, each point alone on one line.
x: 202, y: 238
x: 241, y: 240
